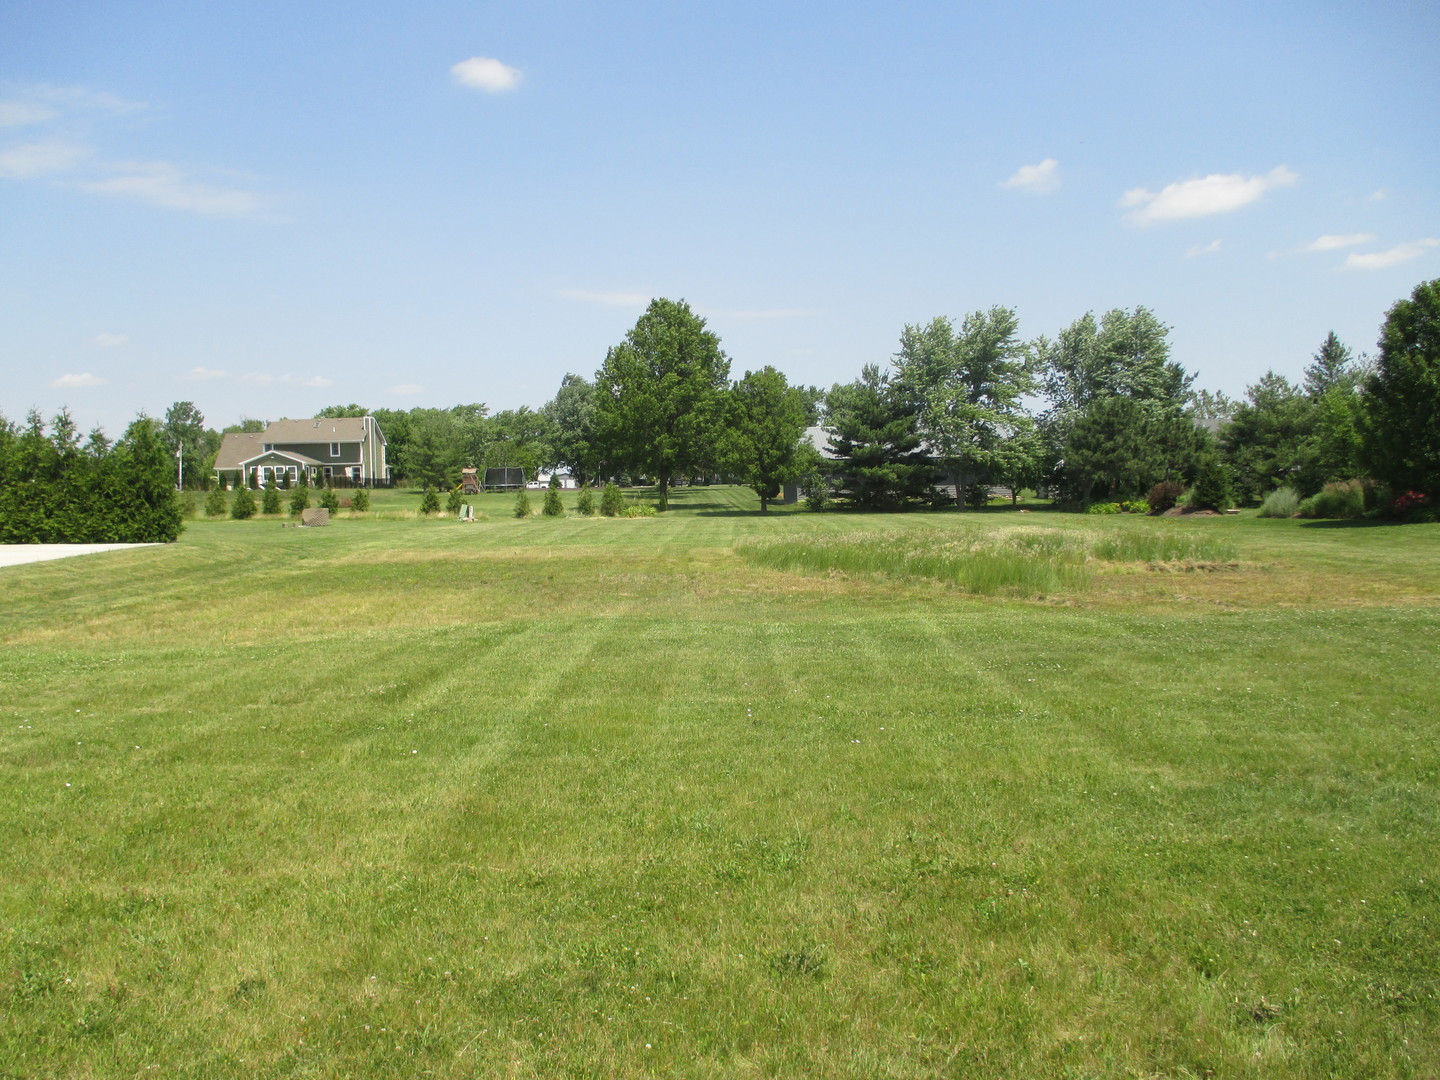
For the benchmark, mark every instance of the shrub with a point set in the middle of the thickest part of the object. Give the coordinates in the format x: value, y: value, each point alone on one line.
x: 977, y: 496
x: 244, y: 504
x: 270, y: 501
x: 215, y: 502
x: 1338, y: 499
x: 522, y: 504
x: 1136, y: 506
x: 299, y: 500
x: 553, y: 507
x: 1211, y: 490
x: 612, y: 503
x: 815, y: 487
x: 330, y: 501
x: 454, y: 502
x: 1164, y: 495
x: 429, y: 503
x: 360, y: 501
x: 585, y: 504
x: 1281, y: 503
x: 1103, y: 508
x: 638, y: 510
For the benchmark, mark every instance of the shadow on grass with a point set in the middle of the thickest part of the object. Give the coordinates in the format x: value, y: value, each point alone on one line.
x: 1350, y: 523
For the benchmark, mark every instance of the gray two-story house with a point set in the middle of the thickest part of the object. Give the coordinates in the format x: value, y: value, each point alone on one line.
x: 348, y: 451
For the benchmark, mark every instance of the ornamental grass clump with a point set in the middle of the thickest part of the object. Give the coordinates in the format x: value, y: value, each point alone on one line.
x: 1337, y: 499
x: 1283, y: 502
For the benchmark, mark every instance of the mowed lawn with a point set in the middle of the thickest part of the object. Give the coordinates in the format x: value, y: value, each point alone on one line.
x: 600, y: 798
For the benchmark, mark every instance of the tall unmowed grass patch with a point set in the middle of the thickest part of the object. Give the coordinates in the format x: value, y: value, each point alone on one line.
x: 1017, y: 562
x: 1281, y: 503
x: 1021, y: 563
x: 1146, y: 546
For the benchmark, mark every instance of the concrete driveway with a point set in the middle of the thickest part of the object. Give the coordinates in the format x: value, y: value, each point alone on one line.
x: 16, y: 554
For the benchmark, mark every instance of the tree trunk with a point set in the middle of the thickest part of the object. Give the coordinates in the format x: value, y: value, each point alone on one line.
x: 664, y: 492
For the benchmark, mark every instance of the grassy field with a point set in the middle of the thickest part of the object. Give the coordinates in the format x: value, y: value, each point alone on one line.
x: 716, y: 794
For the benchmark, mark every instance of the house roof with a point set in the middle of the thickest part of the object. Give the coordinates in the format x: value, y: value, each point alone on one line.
x: 289, y: 454
x: 238, y: 447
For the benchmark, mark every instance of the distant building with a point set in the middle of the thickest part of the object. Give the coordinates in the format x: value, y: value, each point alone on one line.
x: 348, y: 451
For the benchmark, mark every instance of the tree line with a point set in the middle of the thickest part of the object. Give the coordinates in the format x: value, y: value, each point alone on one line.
x: 56, y: 488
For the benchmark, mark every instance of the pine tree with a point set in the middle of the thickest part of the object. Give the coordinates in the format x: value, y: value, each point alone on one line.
x: 243, y: 505
x: 215, y: 502
x: 612, y: 502
x: 553, y: 507
x: 879, y: 460
x: 522, y: 504
x: 270, y: 501
x: 585, y: 503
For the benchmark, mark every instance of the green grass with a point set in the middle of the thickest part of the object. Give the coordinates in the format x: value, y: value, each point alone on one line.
x: 617, y: 797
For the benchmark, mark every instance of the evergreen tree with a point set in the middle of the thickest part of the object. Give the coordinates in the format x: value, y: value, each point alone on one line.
x: 215, y: 505
x: 300, y: 498
x: 1400, y: 433
x: 612, y: 502
x: 270, y: 502
x: 454, y: 501
x: 243, y: 505
x: 360, y: 501
x: 552, y: 506
x: 879, y: 460
x: 429, y: 503
x: 522, y: 504
x: 585, y: 503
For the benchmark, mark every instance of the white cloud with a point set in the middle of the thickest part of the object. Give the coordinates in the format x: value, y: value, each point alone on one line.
x: 408, y: 389
x: 1381, y: 260
x: 1218, y: 193
x: 1379, y: 195
x: 39, y: 159
x: 309, y: 380
x: 20, y: 113
x: 109, y: 341
x: 1203, y: 249
x: 484, y: 73
x: 72, y: 382
x: 609, y: 299
x: 207, y: 373
x: 163, y: 184
x: 1331, y: 241
x: 1037, y: 179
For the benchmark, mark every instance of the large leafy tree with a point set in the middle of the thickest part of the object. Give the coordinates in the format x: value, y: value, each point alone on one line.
x: 1124, y: 354
x: 879, y: 458
x: 1400, y: 432
x: 763, y: 444
x: 184, y: 428
x: 968, y: 386
x: 659, y: 396
x: 431, y: 453
x: 571, y: 415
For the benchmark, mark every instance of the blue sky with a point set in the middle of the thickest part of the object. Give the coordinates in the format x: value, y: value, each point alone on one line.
x: 266, y: 208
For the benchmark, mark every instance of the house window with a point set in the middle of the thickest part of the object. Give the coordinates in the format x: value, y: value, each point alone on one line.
x: 334, y: 449
x: 269, y: 446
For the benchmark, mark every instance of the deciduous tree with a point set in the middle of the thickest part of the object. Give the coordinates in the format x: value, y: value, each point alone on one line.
x: 1400, y: 432
x: 763, y: 443
x: 660, y: 395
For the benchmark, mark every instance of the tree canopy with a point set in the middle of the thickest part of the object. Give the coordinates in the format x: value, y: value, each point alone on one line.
x: 659, y: 396
x: 1400, y: 433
